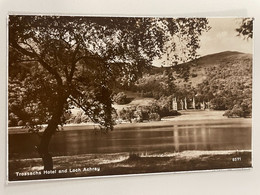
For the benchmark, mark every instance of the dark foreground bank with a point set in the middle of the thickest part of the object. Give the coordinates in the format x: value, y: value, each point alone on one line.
x: 125, y: 163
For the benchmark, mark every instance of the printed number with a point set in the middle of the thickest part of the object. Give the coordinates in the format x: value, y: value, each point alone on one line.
x: 236, y: 159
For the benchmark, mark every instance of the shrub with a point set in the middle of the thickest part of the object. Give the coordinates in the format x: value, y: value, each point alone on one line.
x: 80, y: 117
x: 237, y: 111
x: 240, y: 110
x: 127, y: 114
x: 154, y: 117
x: 120, y: 98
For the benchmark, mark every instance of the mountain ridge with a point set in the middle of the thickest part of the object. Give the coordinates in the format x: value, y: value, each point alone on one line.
x: 195, y: 71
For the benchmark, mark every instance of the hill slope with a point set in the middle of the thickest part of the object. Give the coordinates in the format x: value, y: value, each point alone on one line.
x: 224, y: 79
x: 196, y: 71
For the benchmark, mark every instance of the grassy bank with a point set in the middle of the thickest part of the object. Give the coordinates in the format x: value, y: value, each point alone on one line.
x: 125, y: 163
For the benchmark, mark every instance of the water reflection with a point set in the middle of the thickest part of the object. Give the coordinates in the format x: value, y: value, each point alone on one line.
x: 173, y: 138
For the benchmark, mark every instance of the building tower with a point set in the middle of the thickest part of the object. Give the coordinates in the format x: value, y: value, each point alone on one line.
x: 174, y: 104
x: 185, y: 103
x: 193, y: 103
x: 182, y: 106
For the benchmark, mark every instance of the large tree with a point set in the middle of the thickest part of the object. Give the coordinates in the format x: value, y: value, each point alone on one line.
x: 59, y: 61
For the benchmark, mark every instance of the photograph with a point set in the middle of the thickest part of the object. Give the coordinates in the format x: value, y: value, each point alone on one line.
x: 94, y: 96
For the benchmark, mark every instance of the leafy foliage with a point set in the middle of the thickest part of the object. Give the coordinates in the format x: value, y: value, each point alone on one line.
x: 229, y: 85
x: 120, y: 98
x: 246, y: 28
x: 225, y: 80
x: 76, y: 60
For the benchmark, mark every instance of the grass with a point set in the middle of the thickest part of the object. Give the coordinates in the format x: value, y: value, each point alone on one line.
x: 133, y: 163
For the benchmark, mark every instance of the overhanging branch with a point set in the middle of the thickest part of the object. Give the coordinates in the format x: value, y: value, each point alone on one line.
x: 34, y: 55
x: 90, y: 115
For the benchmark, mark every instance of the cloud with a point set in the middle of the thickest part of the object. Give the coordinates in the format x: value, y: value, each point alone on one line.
x: 222, y: 35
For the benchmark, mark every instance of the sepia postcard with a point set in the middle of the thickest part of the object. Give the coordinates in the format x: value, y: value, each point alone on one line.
x: 101, y: 96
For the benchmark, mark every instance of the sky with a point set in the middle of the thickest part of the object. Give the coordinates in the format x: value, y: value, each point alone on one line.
x: 221, y: 37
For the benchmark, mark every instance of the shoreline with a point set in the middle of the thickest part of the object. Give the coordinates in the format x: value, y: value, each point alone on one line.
x: 194, y: 116
x: 188, y: 154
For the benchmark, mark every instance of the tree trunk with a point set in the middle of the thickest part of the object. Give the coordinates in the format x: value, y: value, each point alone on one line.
x: 47, y: 135
x: 44, y: 146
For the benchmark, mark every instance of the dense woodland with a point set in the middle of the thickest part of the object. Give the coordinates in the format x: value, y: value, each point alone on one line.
x: 224, y: 80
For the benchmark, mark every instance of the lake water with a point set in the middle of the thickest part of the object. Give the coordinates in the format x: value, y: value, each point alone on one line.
x: 171, y: 137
